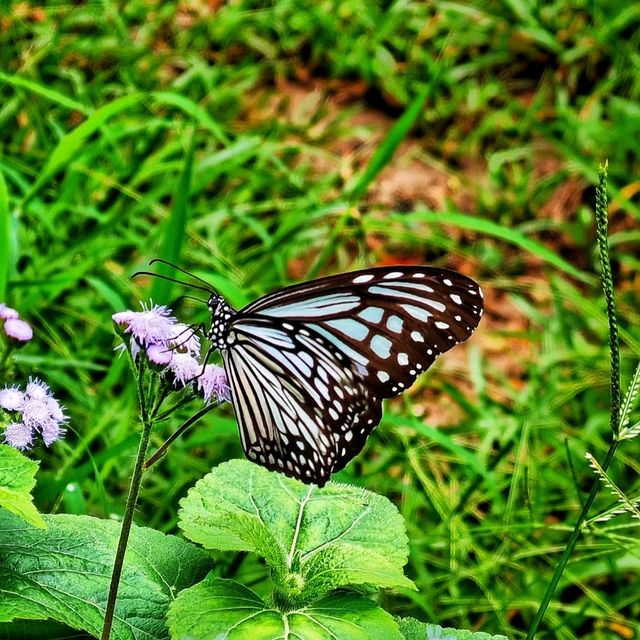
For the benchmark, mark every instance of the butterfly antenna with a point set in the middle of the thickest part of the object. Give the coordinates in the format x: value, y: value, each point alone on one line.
x: 187, y: 297
x: 209, y: 290
x: 177, y: 268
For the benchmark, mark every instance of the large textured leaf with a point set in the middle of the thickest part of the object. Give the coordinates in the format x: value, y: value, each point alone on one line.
x: 314, y: 540
x: 218, y: 608
x: 17, y: 479
x: 63, y: 574
x: 413, y: 629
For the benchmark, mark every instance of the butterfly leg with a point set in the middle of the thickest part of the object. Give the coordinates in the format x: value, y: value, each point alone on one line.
x: 190, y: 330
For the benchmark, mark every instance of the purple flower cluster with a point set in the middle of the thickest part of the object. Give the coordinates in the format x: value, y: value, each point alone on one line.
x: 32, y: 411
x: 173, y: 346
x: 14, y: 327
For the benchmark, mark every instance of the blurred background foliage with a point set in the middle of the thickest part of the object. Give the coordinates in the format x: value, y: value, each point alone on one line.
x: 234, y: 139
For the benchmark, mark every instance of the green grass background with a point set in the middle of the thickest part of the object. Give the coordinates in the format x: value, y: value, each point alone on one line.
x: 259, y: 144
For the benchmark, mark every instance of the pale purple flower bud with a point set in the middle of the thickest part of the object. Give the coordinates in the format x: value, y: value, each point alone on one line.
x: 7, y: 313
x: 11, y: 399
x: 36, y: 414
x: 37, y: 390
x: 123, y: 317
x: 184, y: 367
x: 51, y: 432
x: 185, y: 338
x: 18, y: 435
x: 55, y: 410
x: 213, y: 383
x: 18, y: 330
x: 159, y: 354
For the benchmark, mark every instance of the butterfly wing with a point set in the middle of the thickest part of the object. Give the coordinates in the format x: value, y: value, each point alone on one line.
x: 391, y: 323
x: 302, y: 407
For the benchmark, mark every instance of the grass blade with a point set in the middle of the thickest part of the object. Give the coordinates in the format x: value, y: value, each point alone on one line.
x: 490, y: 228
x: 69, y: 146
x: 390, y: 144
x: 5, y: 238
x: 174, y: 228
x: 50, y: 94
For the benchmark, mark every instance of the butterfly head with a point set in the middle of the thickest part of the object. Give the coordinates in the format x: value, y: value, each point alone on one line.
x: 221, y: 314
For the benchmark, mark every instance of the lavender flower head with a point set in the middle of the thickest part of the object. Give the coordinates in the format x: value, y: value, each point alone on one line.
x: 172, y: 345
x: 34, y: 412
x: 7, y: 312
x: 213, y: 382
x: 15, y: 328
x: 153, y: 325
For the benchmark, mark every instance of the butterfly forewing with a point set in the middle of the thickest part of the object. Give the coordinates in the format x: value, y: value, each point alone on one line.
x: 391, y: 323
x: 302, y: 407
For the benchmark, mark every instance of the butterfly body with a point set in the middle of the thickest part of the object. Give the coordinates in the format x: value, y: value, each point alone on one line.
x: 309, y: 365
x: 221, y: 315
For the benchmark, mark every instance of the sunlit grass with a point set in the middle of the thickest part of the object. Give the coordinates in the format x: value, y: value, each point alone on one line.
x: 284, y: 110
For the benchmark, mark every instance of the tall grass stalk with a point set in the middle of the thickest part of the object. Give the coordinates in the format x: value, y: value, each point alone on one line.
x: 614, y: 347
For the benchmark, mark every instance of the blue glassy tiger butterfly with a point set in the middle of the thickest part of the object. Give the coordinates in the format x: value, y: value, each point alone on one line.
x: 309, y: 365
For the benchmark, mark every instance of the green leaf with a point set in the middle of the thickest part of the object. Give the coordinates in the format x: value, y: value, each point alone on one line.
x: 39, y: 630
x: 46, y: 92
x: 17, y: 479
x: 314, y: 540
x: 67, y: 149
x: 218, y: 608
x: 413, y: 629
x: 63, y: 573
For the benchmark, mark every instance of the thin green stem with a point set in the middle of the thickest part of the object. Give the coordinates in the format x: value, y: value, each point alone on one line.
x: 132, y: 499
x: 4, y: 359
x: 176, y: 434
x: 614, y: 347
x: 557, y: 574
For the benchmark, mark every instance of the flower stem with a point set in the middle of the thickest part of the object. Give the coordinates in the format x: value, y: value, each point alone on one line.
x: 132, y: 499
x: 3, y: 360
x: 557, y: 574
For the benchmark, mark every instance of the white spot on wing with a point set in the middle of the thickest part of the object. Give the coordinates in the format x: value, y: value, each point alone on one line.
x: 383, y: 376
x: 403, y: 359
x: 456, y: 298
x: 381, y: 346
x: 442, y: 325
x: 448, y: 282
x: 416, y: 336
x: 392, y: 275
x: 435, y: 305
x: 372, y: 314
x: 349, y: 327
x: 394, y: 323
x: 416, y: 312
x: 363, y: 278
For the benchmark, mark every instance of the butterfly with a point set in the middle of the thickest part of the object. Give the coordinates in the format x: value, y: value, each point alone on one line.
x: 309, y: 365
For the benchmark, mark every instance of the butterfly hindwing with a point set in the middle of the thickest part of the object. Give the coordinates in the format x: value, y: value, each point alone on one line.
x: 302, y: 407
x: 391, y: 323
